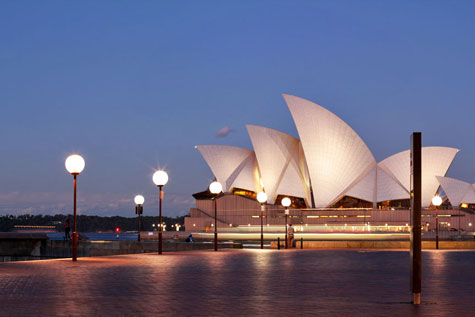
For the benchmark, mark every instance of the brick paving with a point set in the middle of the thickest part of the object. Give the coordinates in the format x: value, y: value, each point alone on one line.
x: 240, y: 282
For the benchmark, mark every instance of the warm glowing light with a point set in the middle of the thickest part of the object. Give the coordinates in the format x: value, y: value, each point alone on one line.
x: 464, y: 205
x: 160, y: 178
x: 75, y: 164
x: 215, y: 187
x: 436, y: 201
x: 261, y: 197
x: 469, y: 224
x: 139, y: 200
x: 286, y: 202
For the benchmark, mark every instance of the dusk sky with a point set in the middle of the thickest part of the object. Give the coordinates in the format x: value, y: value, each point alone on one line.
x: 134, y: 85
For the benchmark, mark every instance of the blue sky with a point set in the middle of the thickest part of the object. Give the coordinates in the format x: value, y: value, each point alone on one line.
x: 134, y: 85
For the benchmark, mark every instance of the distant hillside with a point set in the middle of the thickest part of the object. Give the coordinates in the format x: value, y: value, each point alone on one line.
x: 87, y: 223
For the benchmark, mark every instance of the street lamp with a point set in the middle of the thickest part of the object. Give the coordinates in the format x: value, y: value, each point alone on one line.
x: 75, y: 165
x: 215, y: 188
x: 139, y: 200
x: 286, y: 203
x: 262, y: 198
x: 160, y: 178
x: 436, y: 201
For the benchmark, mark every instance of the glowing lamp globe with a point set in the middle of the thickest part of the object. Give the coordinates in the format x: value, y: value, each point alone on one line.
x: 160, y: 178
x: 75, y: 164
x: 261, y: 197
x: 286, y: 202
x: 215, y: 187
x: 436, y: 201
x: 139, y: 200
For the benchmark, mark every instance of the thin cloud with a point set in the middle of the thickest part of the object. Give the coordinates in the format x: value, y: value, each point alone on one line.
x: 224, y: 132
x: 105, y: 204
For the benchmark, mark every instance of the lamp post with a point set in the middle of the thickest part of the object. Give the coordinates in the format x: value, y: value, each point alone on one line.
x: 139, y: 200
x: 262, y: 198
x: 160, y: 178
x: 436, y: 201
x: 215, y: 188
x: 286, y: 203
x: 75, y: 165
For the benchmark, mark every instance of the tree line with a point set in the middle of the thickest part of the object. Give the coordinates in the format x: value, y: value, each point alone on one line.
x: 88, y: 223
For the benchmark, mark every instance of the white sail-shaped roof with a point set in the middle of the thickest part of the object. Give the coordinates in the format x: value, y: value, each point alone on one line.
x: 389, y: 188
x: 335, y: 154
x: 436, y: 161
x: 278, y: 161
x: 376, y: 186
x: 232, y: 166
x: 458, y: 191
x: 248, y: 177
x: 469, y: 197
x: 365, y: 186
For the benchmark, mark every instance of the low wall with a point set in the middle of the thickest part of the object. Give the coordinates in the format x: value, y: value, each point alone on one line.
x: 20, y: 247
x: 404, y: 245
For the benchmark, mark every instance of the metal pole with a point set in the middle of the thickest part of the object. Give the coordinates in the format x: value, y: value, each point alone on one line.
x: 160, y: 220
x: 459, y: 220
x: 262, y: 228
x: 75, y: 234
x: 215, y: 224
x: 286, y: 229
x: 138, y: 212
x: 436, y: 228
x: 416, y: 206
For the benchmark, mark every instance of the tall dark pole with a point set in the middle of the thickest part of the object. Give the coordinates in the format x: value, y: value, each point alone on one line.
x: 160, y: 219
x: 262, y: 226
x: 436, y: 228
x: 215, y: 224
x: 459, y: 220
x: 75, y: 233
x: 416, y: 206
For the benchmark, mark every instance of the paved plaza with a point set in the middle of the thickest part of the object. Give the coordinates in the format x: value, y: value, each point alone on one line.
x: 240, y: 282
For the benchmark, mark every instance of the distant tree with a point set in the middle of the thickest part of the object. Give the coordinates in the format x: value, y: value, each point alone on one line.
x: 87, y: 223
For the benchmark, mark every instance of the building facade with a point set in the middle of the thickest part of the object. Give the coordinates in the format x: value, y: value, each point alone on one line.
x: 328, y: 169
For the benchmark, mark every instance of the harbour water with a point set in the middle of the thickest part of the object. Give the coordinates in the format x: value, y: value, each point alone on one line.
x: 93, y: 236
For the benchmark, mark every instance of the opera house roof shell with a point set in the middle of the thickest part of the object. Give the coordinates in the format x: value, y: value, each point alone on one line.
x: 328, y: 162
x: 458, y: 191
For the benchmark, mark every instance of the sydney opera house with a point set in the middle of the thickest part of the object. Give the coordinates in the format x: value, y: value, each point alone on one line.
x: 331, y: 176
